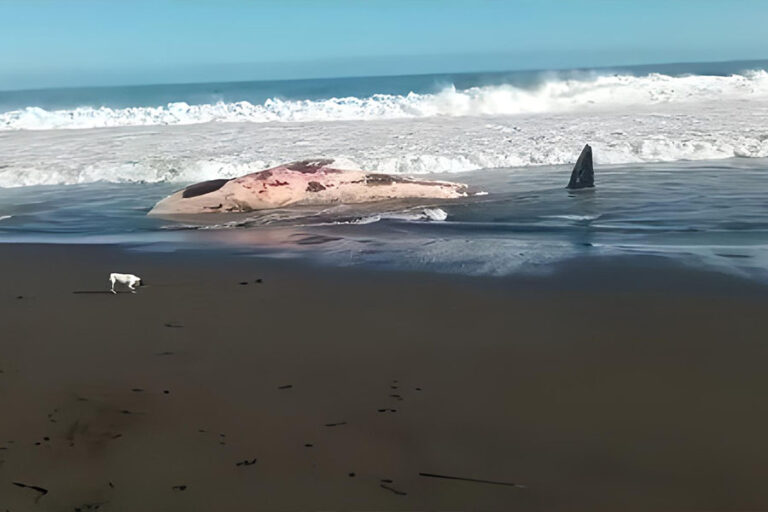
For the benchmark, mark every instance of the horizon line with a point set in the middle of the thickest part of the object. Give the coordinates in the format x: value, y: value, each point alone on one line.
x: 385, y: 75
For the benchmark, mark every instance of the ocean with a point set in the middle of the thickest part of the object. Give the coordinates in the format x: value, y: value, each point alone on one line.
x: 681, y: 156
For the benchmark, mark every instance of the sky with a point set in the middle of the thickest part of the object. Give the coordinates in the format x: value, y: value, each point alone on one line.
x: 52, y: 43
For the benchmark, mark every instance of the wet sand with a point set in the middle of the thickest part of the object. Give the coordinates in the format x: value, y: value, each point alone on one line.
x: 628, y: 384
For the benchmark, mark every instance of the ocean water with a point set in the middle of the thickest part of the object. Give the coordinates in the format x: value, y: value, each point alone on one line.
x: 681, y: 155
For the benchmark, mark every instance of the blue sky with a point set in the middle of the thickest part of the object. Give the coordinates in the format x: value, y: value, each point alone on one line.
x: 49, y: 43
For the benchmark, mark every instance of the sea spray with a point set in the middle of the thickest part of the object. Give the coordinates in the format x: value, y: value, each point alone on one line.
x: 588, y: 93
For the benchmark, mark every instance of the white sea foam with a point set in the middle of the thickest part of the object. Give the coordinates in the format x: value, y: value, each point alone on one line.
x: 435, y: 214
x: 625, y: 119
x: 3, y: 217
x: 370, y: 219
x: 422, y: 214
x: 577, y: 218
x: 309, y: 219
x: 596, y: 92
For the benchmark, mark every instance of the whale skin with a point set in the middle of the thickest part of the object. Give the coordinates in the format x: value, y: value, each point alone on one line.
x: 308, y: 182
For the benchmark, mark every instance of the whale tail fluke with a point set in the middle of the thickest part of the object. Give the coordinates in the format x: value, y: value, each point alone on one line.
x: 583, y: 175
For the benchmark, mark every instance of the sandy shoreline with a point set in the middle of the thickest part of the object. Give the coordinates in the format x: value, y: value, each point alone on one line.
x: 615, y: 385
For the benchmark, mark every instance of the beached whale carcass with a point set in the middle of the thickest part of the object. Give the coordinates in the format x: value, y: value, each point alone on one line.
x: 309, y: 182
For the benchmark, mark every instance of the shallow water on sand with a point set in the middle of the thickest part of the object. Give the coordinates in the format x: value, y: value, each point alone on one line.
x: 702, y: 213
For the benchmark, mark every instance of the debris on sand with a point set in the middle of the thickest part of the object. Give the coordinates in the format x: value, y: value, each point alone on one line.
x: 393, y: 490
x: 475, y: 480
x: 35, y: 488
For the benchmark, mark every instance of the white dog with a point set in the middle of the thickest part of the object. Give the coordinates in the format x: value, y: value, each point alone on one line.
x: 130, y: 280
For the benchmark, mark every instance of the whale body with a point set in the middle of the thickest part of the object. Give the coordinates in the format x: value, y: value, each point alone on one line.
x: 308, y: 182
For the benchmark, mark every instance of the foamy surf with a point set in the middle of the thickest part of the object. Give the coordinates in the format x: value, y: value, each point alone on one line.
x: 627, y: 119
x: 591, y: 93
x: 324, y: 218
x: 197, y: 153
x: 575, y: 218
x: 423, y: 214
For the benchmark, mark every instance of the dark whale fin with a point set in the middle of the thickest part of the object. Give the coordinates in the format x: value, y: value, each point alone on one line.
x: 202, y: 188
x: 583, y: 175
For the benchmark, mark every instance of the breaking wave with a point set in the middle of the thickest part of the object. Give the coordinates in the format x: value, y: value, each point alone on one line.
x: 627, y: 119
x: 595, y: 92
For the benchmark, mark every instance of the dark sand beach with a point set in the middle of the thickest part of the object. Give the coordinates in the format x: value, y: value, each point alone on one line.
x: 616, y: 384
